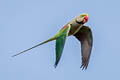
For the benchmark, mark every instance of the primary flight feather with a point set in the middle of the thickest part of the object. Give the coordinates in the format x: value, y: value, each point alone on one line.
x: 76, y: 28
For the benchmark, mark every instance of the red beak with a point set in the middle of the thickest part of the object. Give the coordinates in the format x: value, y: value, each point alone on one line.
x: 85, y: 19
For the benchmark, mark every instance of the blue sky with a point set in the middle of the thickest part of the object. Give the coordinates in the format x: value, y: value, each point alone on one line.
x: 24, y: 23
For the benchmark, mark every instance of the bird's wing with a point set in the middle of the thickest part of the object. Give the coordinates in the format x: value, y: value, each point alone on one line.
x: 60, y: 41
x: 84, y: 35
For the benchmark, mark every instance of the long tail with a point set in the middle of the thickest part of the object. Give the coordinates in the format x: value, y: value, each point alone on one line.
x: 51, y: 39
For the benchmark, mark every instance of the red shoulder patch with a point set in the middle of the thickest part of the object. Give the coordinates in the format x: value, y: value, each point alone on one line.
x: 65, y: 26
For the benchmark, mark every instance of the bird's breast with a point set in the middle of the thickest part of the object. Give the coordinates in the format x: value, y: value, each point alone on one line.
x: 75, y: 27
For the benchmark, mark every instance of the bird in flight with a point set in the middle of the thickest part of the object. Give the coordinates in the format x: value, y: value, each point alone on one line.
x: 75, y: 28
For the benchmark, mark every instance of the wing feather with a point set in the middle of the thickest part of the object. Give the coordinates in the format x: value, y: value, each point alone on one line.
x: 84, y: 35
x: 60, y: 42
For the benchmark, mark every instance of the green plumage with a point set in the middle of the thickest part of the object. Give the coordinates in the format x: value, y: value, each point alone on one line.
x: 60, y: 42
x: 76, y: 28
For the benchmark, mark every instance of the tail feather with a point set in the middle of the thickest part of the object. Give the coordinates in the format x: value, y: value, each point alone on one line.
x: 51, y: 39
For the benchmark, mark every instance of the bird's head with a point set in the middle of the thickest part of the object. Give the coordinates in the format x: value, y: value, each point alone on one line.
x: 83, y: 18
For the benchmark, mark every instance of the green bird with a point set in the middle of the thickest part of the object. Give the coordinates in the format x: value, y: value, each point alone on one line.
x: 76, y: 28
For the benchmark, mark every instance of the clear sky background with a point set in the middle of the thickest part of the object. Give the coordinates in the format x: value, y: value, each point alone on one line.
x: 24, y: 23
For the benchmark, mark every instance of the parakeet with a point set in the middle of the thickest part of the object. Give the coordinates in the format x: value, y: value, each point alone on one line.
x: 76, y: 28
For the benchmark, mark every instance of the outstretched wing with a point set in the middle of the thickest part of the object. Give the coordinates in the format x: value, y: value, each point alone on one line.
x: 84, y: 35
x: 60, y: 41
